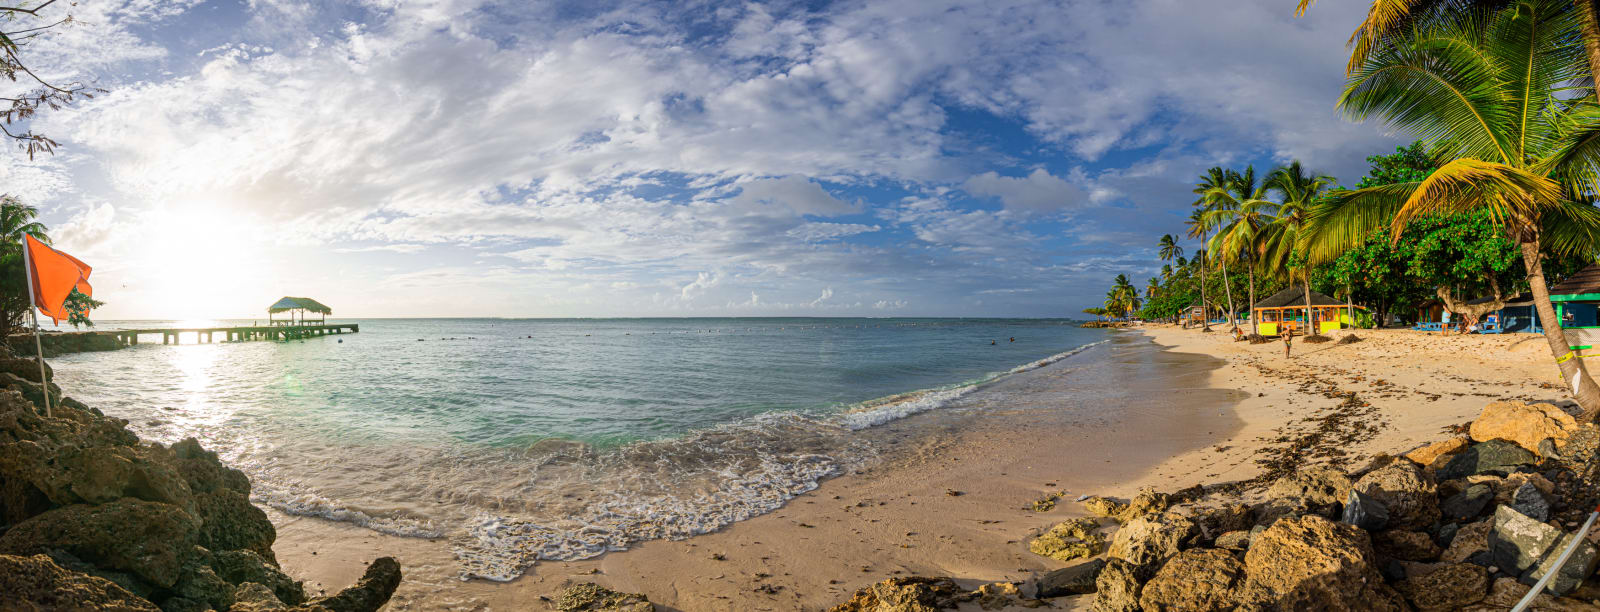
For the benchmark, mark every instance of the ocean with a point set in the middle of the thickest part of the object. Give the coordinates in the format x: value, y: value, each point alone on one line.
x: 555, y: 439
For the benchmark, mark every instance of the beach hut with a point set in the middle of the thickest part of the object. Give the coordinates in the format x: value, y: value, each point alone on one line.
x: 1194, y: 315
x: 1286, y: 310
x: 1516, y: 316
x: 298, y: 306
x: 1577, y: 302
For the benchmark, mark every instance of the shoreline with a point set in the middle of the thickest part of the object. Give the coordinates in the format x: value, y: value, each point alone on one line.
x: 796, y: 556
x: 1244, y: 405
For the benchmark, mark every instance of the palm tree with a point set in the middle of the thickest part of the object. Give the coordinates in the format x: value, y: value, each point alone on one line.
x: 1213, y: 178
x: 1123, y: 298
x: 1298, y: 191
x: 1241, y: 212
x: 1485, y: 89
x: 1166, y: 272
x: 1151, y: 288
x: 1169, y: 248
x: 16, y: 220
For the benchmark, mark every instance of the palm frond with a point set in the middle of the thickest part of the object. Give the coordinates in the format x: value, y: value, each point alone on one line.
x: 1513, y: 197
x: 1572, y: 228
x: 1343, y: 219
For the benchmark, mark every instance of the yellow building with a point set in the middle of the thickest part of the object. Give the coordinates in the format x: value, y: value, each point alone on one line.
x: 1286, y: 310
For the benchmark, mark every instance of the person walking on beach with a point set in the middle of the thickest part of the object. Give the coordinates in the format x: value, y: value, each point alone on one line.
x: 1288, y: 340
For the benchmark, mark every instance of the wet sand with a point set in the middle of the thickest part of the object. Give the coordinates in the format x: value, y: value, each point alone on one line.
x: 1161, y: 406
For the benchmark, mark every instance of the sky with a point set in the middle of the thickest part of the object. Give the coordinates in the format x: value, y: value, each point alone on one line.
x: 619, y: 158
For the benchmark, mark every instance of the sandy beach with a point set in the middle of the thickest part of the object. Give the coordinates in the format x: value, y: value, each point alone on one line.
x: 1174, y: 408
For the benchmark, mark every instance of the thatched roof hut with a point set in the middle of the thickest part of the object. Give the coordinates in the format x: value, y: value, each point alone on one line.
x: 300, y: 305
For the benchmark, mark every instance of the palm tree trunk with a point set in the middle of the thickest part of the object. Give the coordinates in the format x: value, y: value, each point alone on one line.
x: 1228, y: 286
x: 1205, y: 319
x: 1573, y: 371
x: 1591, y: 38
x: 1255, y: 328
x: 1311, y: 325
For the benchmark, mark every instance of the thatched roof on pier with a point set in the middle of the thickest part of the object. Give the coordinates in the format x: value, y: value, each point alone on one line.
x: 292, y: 303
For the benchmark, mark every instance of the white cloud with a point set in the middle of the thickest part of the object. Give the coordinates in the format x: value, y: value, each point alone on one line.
x: 1037, y: 192
x: 826, y: 293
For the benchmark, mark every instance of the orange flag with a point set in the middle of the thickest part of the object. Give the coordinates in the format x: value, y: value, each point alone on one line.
x: 54, y: 275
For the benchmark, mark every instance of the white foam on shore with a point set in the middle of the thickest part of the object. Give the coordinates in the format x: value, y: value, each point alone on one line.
x: 562, y: 500
x: 885, y: 410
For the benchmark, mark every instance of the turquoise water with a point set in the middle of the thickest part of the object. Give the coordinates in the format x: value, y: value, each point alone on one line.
x: 541, y: 439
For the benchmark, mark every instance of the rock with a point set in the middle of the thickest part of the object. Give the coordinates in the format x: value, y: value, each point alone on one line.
x: 909, y: 594
x: 1076, y: 580
x: 1523, y: 424
x: 242, y: 566
x: 1427, y: 454
x: 252, y: 597
x: 1468, y: 504
x: 1319, y: 486
x: 37, y: 583
x: 1234, y: 540
x: 1116, y: 588
x: 1405, y: 545
x: 1451, y: 587
x: 1528, y: 549
x: 231, y: 522
x: 1312, y: 563
x: 150, y: 540
x: 1410, y: 495
x: 1505, y: 489
x: 383, y: 576
x: 1445, y: 534
x: 1103, y: 507
x: 1069, y: 540
x: 1506, y: 592
x: 1364, y: 512
x: 1147, y: 542
x: 1214, y: 522
x: 1145, y: 503
x: 1197, y: 579
x: 1498, y: 457
x: 1469, y: 539
x: 1531, y: 503
x: 999, y: 595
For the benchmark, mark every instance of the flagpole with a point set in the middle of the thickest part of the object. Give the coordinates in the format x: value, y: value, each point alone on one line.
x: 33, y: 310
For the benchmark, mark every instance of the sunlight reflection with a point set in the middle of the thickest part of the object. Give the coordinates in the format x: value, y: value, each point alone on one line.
x: 197, y: 376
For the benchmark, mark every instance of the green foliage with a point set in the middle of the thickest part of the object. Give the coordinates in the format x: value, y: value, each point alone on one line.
x: 78, y: 307
x: 1408, y: 164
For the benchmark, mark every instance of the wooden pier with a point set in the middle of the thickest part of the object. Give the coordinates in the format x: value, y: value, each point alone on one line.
x: 236, y: 334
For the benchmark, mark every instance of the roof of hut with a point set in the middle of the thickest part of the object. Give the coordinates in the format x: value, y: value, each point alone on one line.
x: 291, y: 303
x: 1583, y: 281
x: 1296, y: 296
x: 1520, y: 299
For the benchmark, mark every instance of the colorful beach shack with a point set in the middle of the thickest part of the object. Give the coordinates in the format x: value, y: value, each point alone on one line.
x: 1194, y: 315
x: 298, y: 306
x: 1577, y: 302
x: 1286, y: 310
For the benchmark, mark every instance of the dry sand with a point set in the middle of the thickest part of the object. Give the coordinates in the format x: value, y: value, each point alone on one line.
x: 950, y: 501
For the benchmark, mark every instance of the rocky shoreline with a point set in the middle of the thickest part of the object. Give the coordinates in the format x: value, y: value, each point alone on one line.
x: 61, y: 343
x: 93, y: 518
x: 1468, y: 522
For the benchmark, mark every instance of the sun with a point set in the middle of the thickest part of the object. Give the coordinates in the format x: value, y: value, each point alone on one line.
x: 200, y: 262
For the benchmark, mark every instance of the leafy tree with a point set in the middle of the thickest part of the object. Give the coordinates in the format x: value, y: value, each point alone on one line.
x: 21, y: 26
x: 1488, y: 92
x: 16, y: 220
x: 1282, y: 255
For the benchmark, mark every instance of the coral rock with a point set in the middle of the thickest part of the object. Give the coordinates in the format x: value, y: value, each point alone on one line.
x: 1409, y: 494
x: 1524, y: 424
x: 1428, y: 454
x: 1069, y: 540
x: 1311, y: 563
x: 1198, y: 579
x: 1116, y: 589
x: 1317, y: 485
x: 1451, y: 587
x: 37, y: 583
x: 1146, y: 543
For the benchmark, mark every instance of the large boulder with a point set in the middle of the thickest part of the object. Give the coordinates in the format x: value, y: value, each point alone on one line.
x: 1524, y: 424
x: 1147, y: 542
x: 1319, y: 486
x: 1468, y: 504
x: 244, y: 566
x: 1200, y: 579
x: 1116, y: 588
x: 150, y: 540
x: 37, y: 583
x: 1408, y: 493
x: 1450, y: 587
x: 1076, y: 580
x: 1528, y: 549
x: 1530, y: 502
x: 1497, y: 457
x: 1405, y: 545
x: 1311, y: 563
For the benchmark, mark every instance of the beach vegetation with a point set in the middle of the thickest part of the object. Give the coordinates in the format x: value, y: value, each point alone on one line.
x: 1491, y: 94
x: 20, y: 26
x: 18, y: 219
